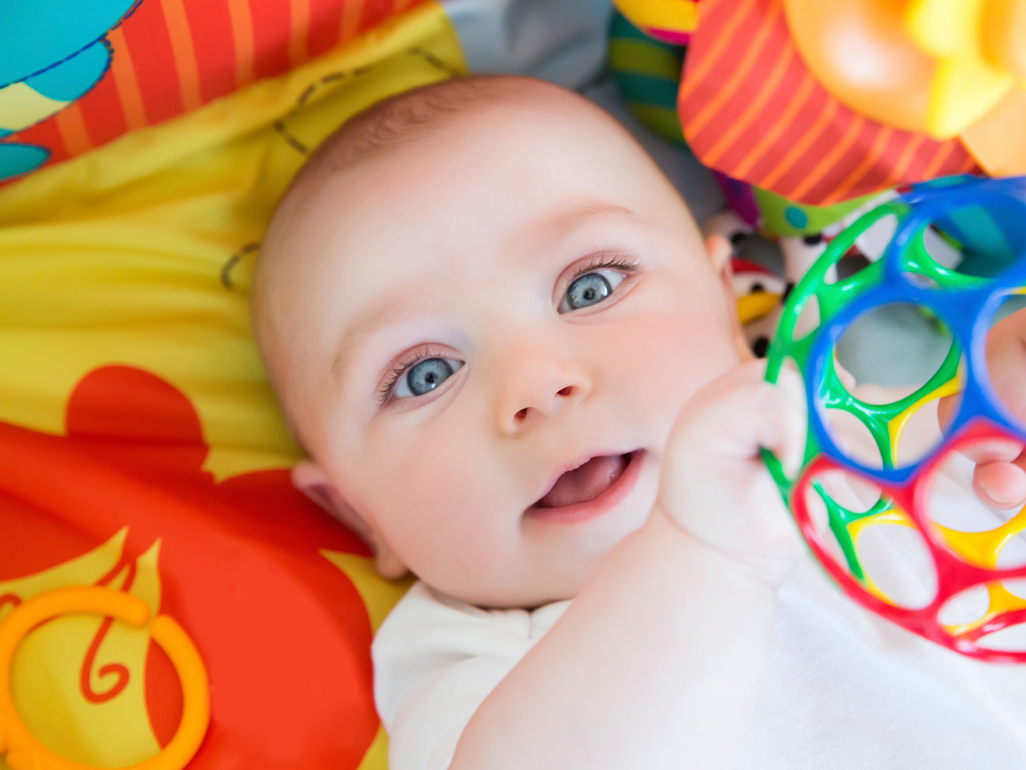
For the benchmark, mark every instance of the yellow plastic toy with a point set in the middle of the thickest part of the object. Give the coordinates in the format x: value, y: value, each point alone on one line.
x: 933, y: 66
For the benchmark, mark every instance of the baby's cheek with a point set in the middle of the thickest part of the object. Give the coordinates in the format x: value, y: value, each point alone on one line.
x: 446, y: 501
x: 680, y: 354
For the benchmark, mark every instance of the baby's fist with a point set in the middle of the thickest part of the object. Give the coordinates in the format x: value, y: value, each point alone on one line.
x: 714, y: 481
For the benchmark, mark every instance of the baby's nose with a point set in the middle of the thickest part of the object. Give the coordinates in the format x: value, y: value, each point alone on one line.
x: 538, y: 389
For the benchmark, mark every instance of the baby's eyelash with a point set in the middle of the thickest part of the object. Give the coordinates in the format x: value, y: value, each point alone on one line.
x: 605, y: 262
x: 399, y: 370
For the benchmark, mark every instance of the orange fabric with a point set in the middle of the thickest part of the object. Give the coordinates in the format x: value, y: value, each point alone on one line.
x: 240, y: 565
x: 728, y: 137
x: 126, y: 82
x: 173, y: 56
x: 183, y: 53
x: 801, y: 142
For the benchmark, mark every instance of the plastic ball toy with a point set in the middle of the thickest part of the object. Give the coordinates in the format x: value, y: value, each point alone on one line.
x: 841, y: 497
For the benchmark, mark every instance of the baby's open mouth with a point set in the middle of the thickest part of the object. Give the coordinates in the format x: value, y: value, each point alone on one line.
x: 586, y: 482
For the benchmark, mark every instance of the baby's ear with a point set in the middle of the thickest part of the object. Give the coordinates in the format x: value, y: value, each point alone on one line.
x: 720, y: 252
x: 310, y: 479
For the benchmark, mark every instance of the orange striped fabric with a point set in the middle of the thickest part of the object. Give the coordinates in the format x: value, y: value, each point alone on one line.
x: 300, y: 23
x: 73, y: 130
x: 751, y: 109
x: 242, y: 38
x: 125, y: 81
x: 183, y: 52
x: 173, y: 56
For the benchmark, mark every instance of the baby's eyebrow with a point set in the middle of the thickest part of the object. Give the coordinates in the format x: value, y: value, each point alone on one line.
x: 356, y: 333
x: 565, y: 224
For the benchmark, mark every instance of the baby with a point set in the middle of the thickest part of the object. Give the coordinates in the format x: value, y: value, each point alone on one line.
x: 515, y: 365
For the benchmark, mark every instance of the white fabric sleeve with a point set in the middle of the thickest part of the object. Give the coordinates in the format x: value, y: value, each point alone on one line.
x: 435, y: 661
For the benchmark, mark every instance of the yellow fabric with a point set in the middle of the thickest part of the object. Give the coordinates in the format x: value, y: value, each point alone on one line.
x: 21, y: 106
x: 116, y: 257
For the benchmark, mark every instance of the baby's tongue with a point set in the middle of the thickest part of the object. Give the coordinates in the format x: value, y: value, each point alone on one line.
x: 585, y: 483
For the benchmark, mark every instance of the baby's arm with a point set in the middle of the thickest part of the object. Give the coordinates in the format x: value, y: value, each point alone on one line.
x: 657, y: 659
x: 1000, y: 475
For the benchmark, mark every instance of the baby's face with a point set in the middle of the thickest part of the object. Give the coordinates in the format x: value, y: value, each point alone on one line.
x: 496, y: 326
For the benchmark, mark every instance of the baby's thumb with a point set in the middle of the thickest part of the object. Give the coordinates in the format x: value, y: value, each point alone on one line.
x: 788, y: 439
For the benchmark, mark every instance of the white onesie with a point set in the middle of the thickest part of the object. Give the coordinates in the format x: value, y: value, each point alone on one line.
x: 842, y: 688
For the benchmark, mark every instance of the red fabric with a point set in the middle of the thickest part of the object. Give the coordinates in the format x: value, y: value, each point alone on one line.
x: 284, y: 634
x: 268, y: 38
x: 797, y: 140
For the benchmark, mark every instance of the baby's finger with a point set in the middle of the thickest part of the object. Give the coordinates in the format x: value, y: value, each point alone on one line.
x: 790, y: 446
x: 991, y: 451
x: 741, y: 413
x: 996, y: 450
x: 1000, y: 484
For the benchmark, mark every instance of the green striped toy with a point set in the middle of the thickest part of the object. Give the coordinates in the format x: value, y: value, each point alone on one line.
x: 647, y: 72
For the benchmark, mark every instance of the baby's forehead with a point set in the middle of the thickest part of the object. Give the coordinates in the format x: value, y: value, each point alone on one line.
x: 440, y: 109
x: 488, y: 191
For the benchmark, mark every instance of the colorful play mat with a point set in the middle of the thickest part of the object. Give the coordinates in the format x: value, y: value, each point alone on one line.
x: 142, y: 453
x: 166, y: 597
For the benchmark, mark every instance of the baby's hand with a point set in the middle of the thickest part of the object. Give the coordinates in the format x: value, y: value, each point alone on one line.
x: 1000, y: 476
x: 715, y: 483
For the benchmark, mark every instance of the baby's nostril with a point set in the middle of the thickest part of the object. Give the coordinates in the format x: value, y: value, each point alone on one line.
x: 521, y: 414
x: 566, y: 391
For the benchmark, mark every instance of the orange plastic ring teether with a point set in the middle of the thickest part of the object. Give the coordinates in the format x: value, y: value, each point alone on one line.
x: 25, y: 752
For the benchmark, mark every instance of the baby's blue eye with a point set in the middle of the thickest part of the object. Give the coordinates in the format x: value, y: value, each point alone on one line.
x: 590, y: 289
x: 424, y: 376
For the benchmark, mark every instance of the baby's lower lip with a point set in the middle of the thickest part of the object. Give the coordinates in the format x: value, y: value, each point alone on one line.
x: 590, y: 509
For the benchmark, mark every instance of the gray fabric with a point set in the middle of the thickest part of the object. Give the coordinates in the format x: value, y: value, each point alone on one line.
x: 559, y: 40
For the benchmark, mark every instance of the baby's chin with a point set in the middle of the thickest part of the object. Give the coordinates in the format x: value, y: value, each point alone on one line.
x: 518, y: 597
x: 521, y: 589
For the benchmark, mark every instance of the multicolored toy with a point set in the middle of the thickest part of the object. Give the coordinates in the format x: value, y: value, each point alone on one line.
x: 647, y: 72
x: 965, y: 563
x: 671, y: 21
x: 937, y: 66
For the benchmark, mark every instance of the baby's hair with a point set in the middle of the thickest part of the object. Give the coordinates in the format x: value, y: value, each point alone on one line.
x: 407, y: 116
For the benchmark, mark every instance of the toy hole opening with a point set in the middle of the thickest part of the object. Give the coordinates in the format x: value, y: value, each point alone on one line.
x: 970, y: 614
x: 975, y: 530
x: 808, y: 318
x: 1009, y: 639
x: 872, y: 242
x: 1006, y: 359
x: 854, y: 438
x: 967, y: 244
x: 851, y: 265
x: 898, y: 564
x: 904, y: 364
x: 942, y: 248
x: 966, y: 608
x: 871, y: 539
